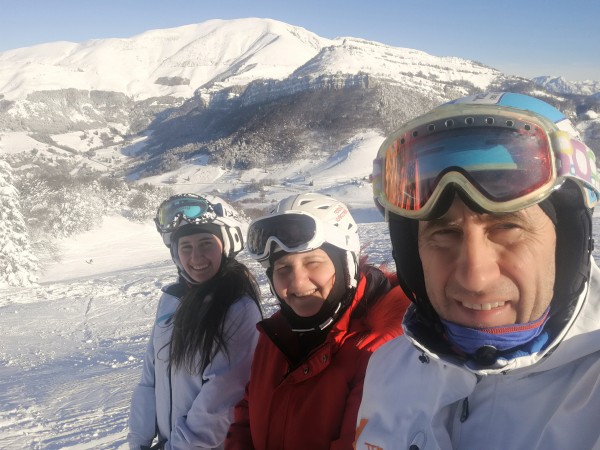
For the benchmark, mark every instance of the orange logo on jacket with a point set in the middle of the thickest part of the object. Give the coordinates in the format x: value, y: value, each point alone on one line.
x: 359, y: 430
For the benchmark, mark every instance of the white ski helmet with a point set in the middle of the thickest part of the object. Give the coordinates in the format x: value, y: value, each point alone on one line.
x: 304, y: 222
x: 191, y: 213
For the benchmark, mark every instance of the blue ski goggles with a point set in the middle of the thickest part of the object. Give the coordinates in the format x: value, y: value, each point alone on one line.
x: 190, y: 208
x: 503, y: 160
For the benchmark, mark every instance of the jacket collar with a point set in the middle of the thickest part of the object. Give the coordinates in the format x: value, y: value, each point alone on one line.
x: 579, y: 337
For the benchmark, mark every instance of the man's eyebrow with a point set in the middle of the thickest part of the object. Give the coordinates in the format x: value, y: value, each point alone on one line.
x: 517, y: 216
x: 202, y: 239
x: 438, y: 222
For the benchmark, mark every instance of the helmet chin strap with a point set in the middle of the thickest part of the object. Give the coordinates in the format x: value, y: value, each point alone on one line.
x: 323, y: 325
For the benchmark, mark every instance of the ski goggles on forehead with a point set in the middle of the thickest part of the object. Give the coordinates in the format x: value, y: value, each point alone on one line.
x: 191, y: 209
x: 294, y: 232
x: 501, y: 162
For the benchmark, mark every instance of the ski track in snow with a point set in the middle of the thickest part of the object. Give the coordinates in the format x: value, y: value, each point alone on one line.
x: 70, y: 356
x: 72, y: 350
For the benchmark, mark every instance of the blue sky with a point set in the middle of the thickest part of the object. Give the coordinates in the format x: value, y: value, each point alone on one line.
x: 526, y: 37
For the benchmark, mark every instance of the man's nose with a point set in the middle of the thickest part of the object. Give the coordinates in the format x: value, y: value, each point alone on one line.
x: 477, y: 264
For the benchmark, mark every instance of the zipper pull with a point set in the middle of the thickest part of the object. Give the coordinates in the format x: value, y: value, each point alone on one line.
x: 465, y: 410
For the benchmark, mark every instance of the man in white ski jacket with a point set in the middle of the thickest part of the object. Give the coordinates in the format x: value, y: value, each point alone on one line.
x: 489, y: 201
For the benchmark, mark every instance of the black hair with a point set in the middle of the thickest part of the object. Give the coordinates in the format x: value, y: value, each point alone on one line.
x: 199, y: 321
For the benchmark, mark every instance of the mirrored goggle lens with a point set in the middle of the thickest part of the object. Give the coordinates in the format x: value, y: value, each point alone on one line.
x: 501, y: 163
x: 189, y: 208
x: 292, y: 230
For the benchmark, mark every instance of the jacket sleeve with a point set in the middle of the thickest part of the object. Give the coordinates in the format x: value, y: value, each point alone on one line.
x: 225, y: 378
x: 142, y: 414
x: 385, y: 320
x: 348, y: 430
x: 238, y: 436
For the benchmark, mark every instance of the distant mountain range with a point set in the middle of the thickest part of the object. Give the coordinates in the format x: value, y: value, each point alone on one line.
x: 244, y: 92
x: 560, y: 85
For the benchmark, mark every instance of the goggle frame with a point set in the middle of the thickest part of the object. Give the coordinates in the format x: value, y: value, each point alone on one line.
x: 567, y: 157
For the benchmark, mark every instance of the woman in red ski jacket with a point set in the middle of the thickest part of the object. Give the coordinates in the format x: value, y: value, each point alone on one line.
x: 308, y: 369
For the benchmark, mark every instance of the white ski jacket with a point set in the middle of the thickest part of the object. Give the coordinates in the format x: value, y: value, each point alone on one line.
x: 414, y: 399
x: 192, y: 411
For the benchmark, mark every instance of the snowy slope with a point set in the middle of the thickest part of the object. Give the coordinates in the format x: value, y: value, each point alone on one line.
x: 72, y: 349
x: 346, y: 170
x: 72, y: 346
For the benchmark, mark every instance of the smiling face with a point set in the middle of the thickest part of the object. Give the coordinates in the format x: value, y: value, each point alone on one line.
x: 304, y: 280
x: 485, y: 270
x: 200, y: 255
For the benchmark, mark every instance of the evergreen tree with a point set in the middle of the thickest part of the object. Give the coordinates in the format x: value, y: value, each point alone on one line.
x: 17, y: 262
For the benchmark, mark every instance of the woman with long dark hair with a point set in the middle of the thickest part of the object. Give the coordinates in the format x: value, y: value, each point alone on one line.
x: 199, y: 354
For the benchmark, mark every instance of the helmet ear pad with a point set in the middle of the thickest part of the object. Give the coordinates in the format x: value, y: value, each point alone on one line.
x: 404, y: 235
x: 233, y: 239
x: 574, y: 246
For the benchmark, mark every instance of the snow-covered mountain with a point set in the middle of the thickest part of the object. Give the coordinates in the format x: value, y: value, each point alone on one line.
x: 212, y: 56
x: 66, y: 85
x: 244, y: 92
x: 560, y: 85
x: 156, y: 63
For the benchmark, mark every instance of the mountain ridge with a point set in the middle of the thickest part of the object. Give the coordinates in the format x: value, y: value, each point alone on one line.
x: 216, y: 54
x: 560, y: 85
x: 244, y: 92
x: 198, y: 52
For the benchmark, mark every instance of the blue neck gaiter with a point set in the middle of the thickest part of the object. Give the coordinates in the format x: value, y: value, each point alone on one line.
x: 503, y: 338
